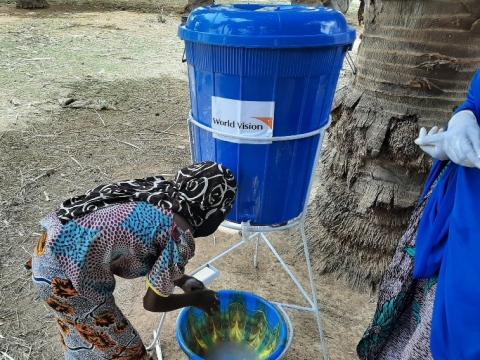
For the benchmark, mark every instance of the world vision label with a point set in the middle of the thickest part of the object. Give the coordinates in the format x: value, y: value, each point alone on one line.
x: 252, y: 119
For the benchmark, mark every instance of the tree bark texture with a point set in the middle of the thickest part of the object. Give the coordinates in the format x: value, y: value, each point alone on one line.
x: 415, y: 62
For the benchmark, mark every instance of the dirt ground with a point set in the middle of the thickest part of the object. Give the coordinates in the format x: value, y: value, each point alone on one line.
x: 125, y: 68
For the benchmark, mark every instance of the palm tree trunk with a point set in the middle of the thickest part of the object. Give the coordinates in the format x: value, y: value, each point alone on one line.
x: 414, y: 65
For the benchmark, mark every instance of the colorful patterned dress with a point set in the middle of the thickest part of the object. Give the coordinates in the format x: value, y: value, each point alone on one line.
x: 73, y: 269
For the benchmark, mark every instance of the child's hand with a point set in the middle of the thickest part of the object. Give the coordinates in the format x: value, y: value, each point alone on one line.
x: 207, y: 300
x: 192, y: 284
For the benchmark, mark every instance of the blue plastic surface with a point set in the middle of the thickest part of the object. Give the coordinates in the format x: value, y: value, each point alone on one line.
x: 267, y: 26
x: 243, y: 318
x: 272, y: 178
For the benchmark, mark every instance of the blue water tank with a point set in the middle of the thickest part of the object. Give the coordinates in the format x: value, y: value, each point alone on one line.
x: 262, y: 80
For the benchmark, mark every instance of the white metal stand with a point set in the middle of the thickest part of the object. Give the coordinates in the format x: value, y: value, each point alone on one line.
x: 258, y: 234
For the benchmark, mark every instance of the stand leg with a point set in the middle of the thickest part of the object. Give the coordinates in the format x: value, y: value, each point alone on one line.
x: 289, y: 271
x: 156, y: 335
x: 255, y: 255
x: 314, y: 291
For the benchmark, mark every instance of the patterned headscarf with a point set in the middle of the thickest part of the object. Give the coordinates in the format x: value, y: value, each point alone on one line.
x: 202, y: 193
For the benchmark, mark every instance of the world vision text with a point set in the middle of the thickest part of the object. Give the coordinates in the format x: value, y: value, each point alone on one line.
x: 236, y: 124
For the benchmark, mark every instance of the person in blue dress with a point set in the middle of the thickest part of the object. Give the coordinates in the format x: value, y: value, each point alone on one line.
x: 429, y: 299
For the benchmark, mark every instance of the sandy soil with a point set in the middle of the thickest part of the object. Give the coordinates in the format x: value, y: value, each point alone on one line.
x: 130, y: 63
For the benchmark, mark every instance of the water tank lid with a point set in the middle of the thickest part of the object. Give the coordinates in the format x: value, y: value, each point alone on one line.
x: 267, y: 26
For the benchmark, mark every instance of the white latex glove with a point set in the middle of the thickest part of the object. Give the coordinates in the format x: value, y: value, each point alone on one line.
x: 436, y: 150
x: 460, y: 142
